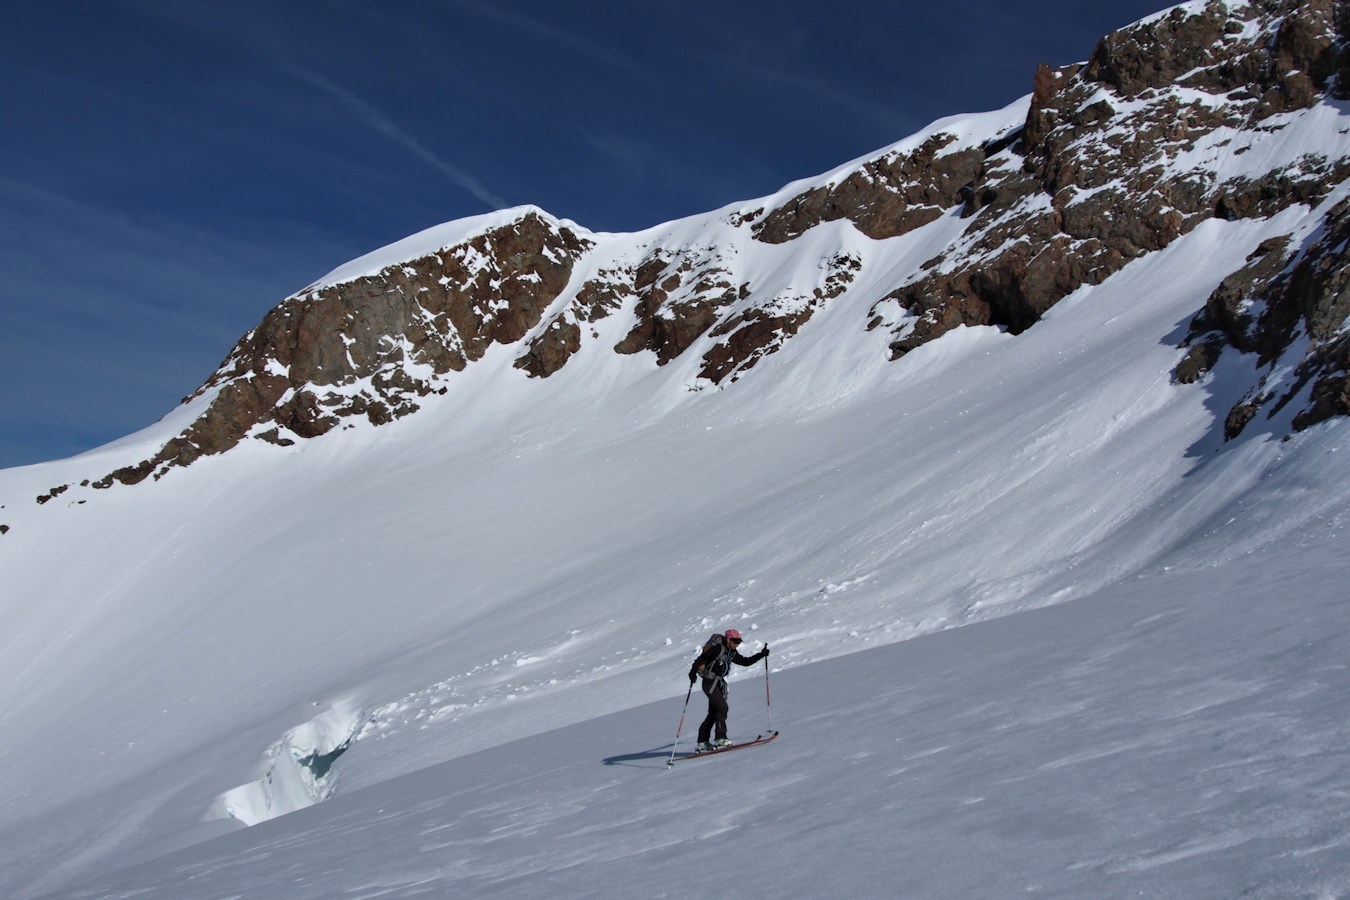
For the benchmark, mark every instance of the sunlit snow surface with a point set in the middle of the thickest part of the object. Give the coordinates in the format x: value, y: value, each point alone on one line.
x: 1179, y: 735
x: 463, y: 592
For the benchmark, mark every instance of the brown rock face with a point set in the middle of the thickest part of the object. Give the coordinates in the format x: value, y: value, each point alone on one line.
x: 1326, y: 368
x: 551, y: 350
x: 1154, y: 55
x: 1228, y: 310
x: 1285, y: 293
x: 679, y: 298
x: 1093, y: 182
x: 1341, y: 86
x: 761, y: 329
x: 371, y: 347
x: 561, y: 339
x: 442, y: 311
x: 1316, y: 293
x: 888, y: 197
x: 1300, y: 38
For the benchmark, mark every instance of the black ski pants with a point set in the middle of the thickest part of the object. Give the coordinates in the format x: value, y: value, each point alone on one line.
x: 716, y: 689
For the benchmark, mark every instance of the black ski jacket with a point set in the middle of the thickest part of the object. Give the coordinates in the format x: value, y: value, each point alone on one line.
x: 715, y: 661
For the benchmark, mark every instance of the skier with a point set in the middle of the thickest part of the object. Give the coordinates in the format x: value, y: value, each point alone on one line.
x: 713, y: 664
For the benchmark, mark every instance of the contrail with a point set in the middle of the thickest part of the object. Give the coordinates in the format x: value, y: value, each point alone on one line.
x: 381, y: 123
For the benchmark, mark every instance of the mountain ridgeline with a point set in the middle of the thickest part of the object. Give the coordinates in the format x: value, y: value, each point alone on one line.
x: 1218, y: 110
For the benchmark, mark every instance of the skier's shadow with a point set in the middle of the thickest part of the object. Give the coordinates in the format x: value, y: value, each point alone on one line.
x: 642, y: 760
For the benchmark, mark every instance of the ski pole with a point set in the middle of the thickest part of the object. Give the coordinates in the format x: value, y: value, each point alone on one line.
x: 678, y: 728
x: 768, y: 707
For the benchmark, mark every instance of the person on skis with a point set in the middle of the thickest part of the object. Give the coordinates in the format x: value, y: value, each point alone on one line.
x: 713, y: 664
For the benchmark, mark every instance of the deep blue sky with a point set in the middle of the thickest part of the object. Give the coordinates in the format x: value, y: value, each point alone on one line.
x: 171, y: 169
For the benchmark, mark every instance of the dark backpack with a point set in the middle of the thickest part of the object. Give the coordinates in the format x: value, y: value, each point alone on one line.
x: 720, y: 663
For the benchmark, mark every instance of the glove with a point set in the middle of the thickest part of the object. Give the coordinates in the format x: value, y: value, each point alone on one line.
x: 765, y: 651
x: 692, y: 677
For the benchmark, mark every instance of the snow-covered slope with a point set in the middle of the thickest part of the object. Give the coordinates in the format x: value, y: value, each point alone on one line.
x: 427, y: 510
x: 527, y: 555
x: 1178, y: 735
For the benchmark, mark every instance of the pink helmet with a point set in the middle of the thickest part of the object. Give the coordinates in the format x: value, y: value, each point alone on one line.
x: 733, y: 635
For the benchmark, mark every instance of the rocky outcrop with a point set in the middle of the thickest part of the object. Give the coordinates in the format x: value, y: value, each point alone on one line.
x: 762, y: 328
x: 598, y: 298
x: 1326, y: 368
x: 1296, y: 46
x: 679, y: 297
x: 1096, y: 181
x: 373, y: 346
x: 1286, y: 300
x: 887, y: 197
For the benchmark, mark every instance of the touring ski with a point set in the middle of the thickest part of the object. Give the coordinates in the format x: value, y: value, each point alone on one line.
x: 759, y: 739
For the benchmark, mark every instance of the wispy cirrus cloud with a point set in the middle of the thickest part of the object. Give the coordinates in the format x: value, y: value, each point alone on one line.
x: 560, y: 37
x: 379, y: 122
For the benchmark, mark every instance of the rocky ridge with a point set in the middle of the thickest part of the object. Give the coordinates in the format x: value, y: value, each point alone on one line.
x: 1290, y: 294
x: 1116, y: 158
x: 1123, y: 155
